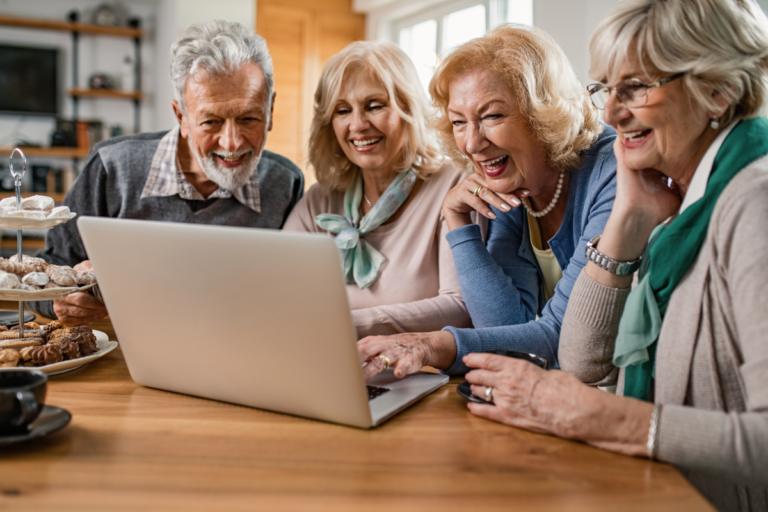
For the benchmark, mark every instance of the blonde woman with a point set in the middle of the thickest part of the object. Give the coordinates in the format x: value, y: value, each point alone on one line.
x: 512, y: 110
x: 381, y: 183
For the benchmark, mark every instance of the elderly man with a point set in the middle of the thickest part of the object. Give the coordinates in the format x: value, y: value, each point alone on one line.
x: 211, y: 169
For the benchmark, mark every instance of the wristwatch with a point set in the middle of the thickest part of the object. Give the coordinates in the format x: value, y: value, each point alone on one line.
x: 620, y: 268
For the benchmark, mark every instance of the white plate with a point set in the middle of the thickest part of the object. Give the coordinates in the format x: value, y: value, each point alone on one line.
x: 104, y: 347
x: 44, y: 294
x: 24, y: 223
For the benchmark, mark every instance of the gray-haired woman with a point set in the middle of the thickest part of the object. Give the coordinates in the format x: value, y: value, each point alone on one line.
x: 684, y: 83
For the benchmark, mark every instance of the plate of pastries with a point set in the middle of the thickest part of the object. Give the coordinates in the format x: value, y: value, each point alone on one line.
x: 52, y: 348
x: 34, y: 279
x: 35, y: 212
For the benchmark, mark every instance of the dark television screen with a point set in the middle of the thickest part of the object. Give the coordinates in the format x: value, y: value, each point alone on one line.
x: 28, y: 81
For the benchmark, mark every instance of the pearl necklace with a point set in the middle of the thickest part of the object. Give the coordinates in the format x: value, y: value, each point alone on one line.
x: 551, y: 204
x: 367, y: 201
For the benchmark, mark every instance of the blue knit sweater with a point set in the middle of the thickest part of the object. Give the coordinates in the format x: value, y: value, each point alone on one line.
x: 501, y: 281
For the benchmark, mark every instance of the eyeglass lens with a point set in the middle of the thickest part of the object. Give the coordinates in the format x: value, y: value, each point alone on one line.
x: 630, y: 92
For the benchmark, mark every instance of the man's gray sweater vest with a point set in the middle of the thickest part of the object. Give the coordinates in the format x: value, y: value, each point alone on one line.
x: 113, y: 178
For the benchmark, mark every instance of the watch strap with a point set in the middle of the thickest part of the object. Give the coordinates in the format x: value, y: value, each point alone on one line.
x: 620, y: 268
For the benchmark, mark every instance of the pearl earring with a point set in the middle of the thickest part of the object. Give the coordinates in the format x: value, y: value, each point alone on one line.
x: 715, y: 124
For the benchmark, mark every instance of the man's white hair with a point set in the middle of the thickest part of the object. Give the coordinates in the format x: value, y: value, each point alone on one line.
x: 219, y: 48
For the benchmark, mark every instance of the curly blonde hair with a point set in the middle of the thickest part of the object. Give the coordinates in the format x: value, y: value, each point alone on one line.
x: 392, y: 67
x: 719, y: 44
x: 539, y: 74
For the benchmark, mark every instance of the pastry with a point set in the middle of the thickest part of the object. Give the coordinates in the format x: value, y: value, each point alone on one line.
x: 28, y: 214
x: 56, y: 334
x: 87, y: 347
x: 27, y: 325
x: 85, y: 278
x: 81, y: 328
x: 70, y: 350
x: 39, y: 356
x: 50, y: 285
x: 3, y: 328
x: 29, y: 287
x: 38, y: 203
x: 26, y: 342
x: 60, y: 212
x: 53, y: 325
x: 9, y: 358
x: 63, y: 276
x: 23, y: 267
x: 36, y: 279
x: 8, y: 281
x: 8, y: 203
x: 29, y: 259
x: 28, y: 333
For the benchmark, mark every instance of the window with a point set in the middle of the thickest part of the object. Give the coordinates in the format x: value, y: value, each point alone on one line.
x: 426, y: 36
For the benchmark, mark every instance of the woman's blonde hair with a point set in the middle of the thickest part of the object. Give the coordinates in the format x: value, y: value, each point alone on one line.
x: 550, y: 97
x: 719, y: 44
x: 394, y: 70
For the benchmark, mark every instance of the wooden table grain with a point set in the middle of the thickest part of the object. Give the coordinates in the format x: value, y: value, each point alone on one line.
x: 134, y: 448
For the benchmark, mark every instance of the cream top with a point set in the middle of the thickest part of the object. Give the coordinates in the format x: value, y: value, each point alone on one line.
x: 417, y: 289
x: 550, y: 269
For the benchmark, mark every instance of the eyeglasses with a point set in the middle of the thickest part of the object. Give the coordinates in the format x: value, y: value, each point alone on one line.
x: 632, y: 93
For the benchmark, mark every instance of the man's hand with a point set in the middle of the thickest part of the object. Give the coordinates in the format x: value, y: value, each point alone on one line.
x: 79, y: 308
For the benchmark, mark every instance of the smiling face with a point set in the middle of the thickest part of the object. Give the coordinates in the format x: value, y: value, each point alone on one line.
x: 370, y: 132
x: 670, y: 133
x: 226, y: 123
x: 490, y: 130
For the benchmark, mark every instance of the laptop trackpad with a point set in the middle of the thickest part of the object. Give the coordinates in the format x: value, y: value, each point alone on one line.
x: 402, y: 392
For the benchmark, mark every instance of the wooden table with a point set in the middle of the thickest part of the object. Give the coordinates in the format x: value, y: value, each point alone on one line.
x: 134, y: 448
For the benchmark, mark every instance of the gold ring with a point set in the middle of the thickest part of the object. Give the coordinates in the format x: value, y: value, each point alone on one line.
x: 489, y: 394
x: 385, y: 360
x: 477, y: 191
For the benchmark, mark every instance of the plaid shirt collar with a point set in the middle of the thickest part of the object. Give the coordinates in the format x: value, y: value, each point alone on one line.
x: 166, y: 179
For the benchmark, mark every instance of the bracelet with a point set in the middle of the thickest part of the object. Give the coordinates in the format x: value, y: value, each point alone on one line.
x: 620, y: 268
x: 653, y: 433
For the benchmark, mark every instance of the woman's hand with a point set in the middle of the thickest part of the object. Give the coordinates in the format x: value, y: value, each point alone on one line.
x: 407, y: 353
x: 644, y: 199
x: 555, y: 402
x: 462, y: 200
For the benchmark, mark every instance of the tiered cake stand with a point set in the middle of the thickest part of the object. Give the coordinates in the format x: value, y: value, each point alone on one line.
x: 19, y: 224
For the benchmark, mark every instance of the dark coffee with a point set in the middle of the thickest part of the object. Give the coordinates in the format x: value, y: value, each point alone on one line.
x: 22, y: 396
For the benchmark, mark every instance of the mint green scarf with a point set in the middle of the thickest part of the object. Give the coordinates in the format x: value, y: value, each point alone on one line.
x: 360, y: 261
x: 671, y: 250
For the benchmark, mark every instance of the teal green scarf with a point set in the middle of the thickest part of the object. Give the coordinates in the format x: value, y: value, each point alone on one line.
x: 360, y: 261
x: 671, y: 250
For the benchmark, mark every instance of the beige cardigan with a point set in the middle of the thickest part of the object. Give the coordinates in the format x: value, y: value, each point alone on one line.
x: 417, y: 289
x: 712, y: 361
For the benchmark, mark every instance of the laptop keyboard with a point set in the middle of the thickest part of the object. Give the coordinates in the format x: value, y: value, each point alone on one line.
x: 374, y: 391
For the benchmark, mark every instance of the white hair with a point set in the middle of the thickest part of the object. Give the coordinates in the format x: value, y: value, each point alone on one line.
x: 219, y: 48
x: 719, y: 44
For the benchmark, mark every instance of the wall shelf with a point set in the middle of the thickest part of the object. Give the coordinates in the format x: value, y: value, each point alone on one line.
x: 105, y: 93
x: 67, y: 26
x: 76, y: 29
x: 62, y: 152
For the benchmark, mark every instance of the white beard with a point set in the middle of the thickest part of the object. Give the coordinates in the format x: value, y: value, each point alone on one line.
x: 227, y: 178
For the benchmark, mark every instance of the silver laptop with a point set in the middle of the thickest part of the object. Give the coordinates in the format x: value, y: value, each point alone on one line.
x: 248, y: 316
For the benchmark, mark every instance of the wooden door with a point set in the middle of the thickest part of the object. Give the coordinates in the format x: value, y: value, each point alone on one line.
x: 302, y: 36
